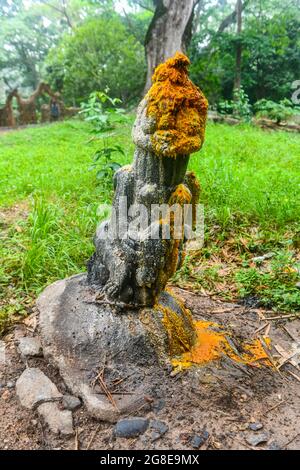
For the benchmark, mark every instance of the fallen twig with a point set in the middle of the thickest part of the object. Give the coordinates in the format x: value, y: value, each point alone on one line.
x: 291, y: 440
x: 260, y: 328
x: 192, y: 292
x: 265, y: 348
x: 265, y: 413
x: 283, y: 317
x: 93, y: 437
x: 294, y: 375
x: 107, y: 392
x: 267, y: 332
x: 117, y: 393
x: 290, y: 334
x: 287, y: 357
x: 76, y: 439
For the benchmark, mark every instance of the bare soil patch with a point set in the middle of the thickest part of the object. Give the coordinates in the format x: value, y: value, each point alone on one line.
x: 219, y: 398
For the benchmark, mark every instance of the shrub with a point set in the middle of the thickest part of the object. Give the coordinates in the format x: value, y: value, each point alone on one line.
x: 278, y: 112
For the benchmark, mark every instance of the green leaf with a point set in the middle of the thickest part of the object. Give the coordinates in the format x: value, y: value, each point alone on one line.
x: 101, y: 174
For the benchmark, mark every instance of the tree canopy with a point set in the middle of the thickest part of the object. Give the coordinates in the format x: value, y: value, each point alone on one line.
x: 80, y: 46
x: 100, y: 54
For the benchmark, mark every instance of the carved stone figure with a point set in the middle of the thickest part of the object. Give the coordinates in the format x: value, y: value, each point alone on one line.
x: 119, y: 318
x: 170, y: 125
x: 6, y: 113
x: 27, y: 107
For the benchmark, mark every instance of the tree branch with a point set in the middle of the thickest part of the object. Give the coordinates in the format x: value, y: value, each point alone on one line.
x: 145, y: 7
x: 62, y: 11
x: 7, y: 83
x: 231, y: 18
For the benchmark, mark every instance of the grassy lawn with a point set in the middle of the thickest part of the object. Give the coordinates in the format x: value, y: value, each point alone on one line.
x: 250, y: 189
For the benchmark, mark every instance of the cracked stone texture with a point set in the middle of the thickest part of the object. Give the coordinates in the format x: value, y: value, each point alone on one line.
x: 96, y: 323
x: 80, y: 337
x: 128, y: 268
x: 133, y: 268
x: 33, y: 387
x: 71, y: 403
x: 59, y: 421
x: 30, y: 347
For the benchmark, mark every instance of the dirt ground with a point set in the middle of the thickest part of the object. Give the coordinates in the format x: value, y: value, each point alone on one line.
x: 221, y: 398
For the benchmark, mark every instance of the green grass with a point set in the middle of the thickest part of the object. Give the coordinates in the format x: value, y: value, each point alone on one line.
x: 250, y: 189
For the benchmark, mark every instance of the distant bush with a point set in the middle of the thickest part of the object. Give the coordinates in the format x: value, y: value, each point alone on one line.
x: 99, y: 54
x: 278, y: 112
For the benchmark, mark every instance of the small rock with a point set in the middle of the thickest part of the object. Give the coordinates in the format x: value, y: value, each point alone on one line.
x: 274, y: 446
x: 155, y: 436
x: 255, y: 426
x: 30, y: 347
x: 180, y: 417
x: 217, y: 445
x: 59, y: 421
x: 5, y: 395
x: 131, y: 427
x: 199, y: 439
x: 297, y: 285
x: 10, y: 384
x: 144, y: 439
x: 260, y: 259
x: 159, y: 429
x: 19, y: 332
x: 257, y: 439
x: 71, y: 403
x: 159, y: 405
x: 33, y: 387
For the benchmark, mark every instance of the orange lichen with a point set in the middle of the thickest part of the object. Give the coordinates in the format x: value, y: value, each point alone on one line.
x: 255, y: 352
x: 182, y: 195
x: 178, y: 107
x: 174, y: 245
x: 180, y: 329
x: 213, y: 343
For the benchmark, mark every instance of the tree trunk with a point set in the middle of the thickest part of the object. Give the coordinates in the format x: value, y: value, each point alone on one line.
x: 238, y: 63
x: 169, y: 32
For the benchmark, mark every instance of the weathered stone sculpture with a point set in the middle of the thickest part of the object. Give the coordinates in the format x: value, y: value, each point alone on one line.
x: 169, y: 126
x: 118, y: 324
x: 64, y: 111
x: 6, y: 113
x: 119, y: 319
x: 28, y: 107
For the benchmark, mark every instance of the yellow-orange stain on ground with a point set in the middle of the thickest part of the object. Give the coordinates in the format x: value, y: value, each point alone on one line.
x: 212, y: 345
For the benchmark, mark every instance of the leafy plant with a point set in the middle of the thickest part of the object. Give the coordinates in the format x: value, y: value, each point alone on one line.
x: 102, y: 112
x: 104, y: 163
x: 274, y: 286
x: 278, y: 112
x: 239, y: 106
